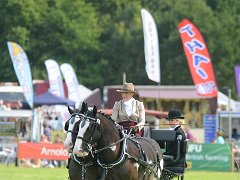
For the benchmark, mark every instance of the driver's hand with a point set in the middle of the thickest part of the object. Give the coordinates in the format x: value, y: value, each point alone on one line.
x: 118, y: 126
x: 136, y: 128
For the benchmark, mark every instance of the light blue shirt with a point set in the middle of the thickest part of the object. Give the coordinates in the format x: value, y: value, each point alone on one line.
x: 220, y: 140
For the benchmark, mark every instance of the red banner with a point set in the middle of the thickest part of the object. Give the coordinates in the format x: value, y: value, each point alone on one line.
x: 199, y: 61
x: 42, y: 151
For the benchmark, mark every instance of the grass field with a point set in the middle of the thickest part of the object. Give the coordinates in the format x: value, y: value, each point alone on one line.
x: 15, y: 173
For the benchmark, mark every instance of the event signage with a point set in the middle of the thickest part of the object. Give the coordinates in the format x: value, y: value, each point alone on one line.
x: 55, y: 78
x: 22, y: 70
x: 199, y: 61
x: 209, y: 121
x: 42, y: 151
x: 237, y: 78
x: 151, y: 47
x: 211, y: 157
x: 72, y: 83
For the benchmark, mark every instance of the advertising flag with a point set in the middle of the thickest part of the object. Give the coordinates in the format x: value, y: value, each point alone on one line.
x: 55, y: 78
x: 151, y: 47
x: 72, y: 82
x: 237, y: 78
x: 22, y: 70
x: 199, y: 61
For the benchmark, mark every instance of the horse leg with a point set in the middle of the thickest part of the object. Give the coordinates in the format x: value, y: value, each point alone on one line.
x: 75, y: 171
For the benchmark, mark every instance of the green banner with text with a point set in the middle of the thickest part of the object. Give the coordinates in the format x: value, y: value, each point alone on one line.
x: 210, y: 157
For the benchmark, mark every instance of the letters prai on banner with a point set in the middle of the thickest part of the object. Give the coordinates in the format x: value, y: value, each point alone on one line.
x: 151, y: 47
x: 198, y: 58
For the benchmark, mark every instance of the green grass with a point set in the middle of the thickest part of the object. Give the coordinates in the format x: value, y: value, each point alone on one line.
x: 205, y: 175
x: 21, y: 173
x: 16, y: 173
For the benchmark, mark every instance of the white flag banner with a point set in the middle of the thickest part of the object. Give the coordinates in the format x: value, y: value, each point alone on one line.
x: 151, y: 47
x: 55, y: 78
x: 72, y: 82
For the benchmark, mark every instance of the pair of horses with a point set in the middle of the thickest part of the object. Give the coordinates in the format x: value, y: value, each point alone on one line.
x: 101, y: 151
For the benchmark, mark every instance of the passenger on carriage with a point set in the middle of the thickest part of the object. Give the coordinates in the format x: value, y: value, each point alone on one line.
x: 175, y: 120
x: 129, y: 112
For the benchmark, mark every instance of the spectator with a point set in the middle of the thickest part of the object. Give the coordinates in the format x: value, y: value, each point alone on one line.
x: 59, y: 121
x: 2, y: 106
x: 44, y: 162
x: 219, y: 139
x: 57, y: 140
x: 235, y: 135
x: 47, y: 131
x: 190, y: 135
x: 23, y: 128
x: 44, y: 139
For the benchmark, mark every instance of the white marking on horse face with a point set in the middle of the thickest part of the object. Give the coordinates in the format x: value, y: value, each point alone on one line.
x: 159, y: 173
x: 136, y: 165
x: 68, y: 140
x: 113, y: 148
x: 78, y: 144
x: 161, y: 164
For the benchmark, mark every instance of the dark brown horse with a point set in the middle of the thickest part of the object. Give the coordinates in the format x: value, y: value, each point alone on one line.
x: 79, y: 168
x: 120, y: 155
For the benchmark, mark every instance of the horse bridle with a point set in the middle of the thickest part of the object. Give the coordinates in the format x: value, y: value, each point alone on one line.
x: 87, y: 140
x: 71, y: 119
x: 96, y: 122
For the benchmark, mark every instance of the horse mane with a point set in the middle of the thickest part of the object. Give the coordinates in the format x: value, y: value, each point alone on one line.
x: 108, y: 117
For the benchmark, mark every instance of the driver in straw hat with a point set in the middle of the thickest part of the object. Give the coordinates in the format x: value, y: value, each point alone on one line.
x: 129, y: 112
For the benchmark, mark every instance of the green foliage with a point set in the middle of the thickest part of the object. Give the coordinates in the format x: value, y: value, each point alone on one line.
x: 104, y: 39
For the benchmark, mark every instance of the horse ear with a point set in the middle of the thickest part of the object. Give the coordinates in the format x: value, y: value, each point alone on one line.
x: 94, y: 110
x: 71, y: 111
x: 86, y: 107
x: 83, y: 108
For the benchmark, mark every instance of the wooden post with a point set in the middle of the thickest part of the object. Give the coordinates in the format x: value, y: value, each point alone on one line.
x: 124, y: 77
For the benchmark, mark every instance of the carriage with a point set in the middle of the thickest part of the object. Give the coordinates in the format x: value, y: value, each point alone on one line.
x: 118, y: 155
x: 173, y: 166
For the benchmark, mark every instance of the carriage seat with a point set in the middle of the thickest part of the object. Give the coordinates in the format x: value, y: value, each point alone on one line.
x: 162, y: 136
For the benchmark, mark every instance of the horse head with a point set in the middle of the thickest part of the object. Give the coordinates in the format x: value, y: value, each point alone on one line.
x: 88, y: 134
x: 73, y: 122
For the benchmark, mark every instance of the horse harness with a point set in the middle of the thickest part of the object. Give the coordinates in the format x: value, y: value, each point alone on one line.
x: 124, y: 155
x: 83, y: 164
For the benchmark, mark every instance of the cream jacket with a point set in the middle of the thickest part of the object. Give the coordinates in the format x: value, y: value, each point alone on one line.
x: 119, y: 113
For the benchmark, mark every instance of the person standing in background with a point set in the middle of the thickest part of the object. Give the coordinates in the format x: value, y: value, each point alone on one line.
x: 57, y: 140
x: 235, y: 135
x: 219, y: 139
x: 47, y: 131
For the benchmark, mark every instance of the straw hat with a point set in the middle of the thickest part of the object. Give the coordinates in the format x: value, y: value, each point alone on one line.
x: 127, y: 88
